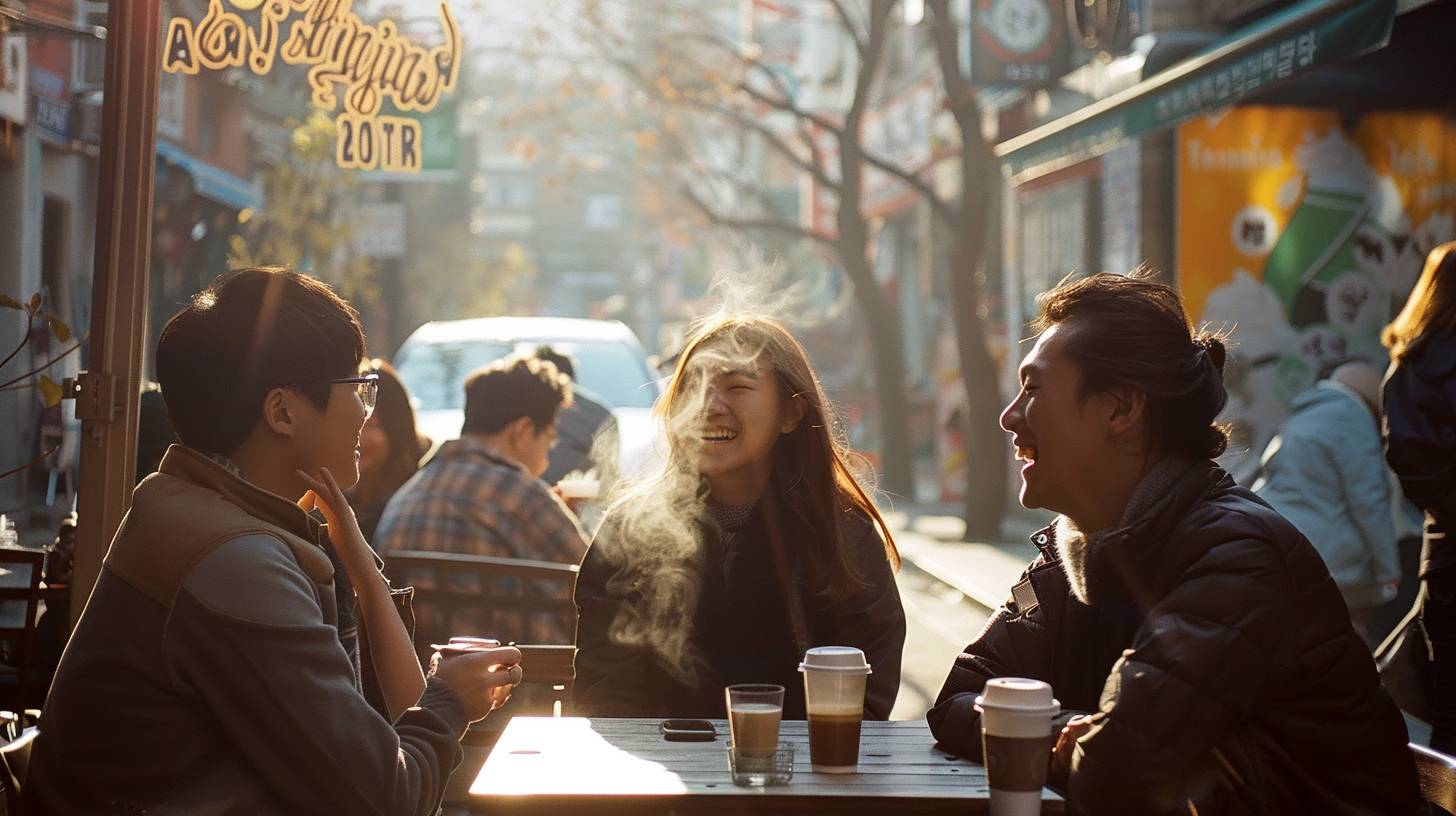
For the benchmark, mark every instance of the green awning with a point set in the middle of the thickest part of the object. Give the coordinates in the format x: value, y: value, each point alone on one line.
x: 1291, y: 41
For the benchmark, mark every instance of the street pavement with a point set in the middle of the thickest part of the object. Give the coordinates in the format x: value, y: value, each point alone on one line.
x: 948, y: 587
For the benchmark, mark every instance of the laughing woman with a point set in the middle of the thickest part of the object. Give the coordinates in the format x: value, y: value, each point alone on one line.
x: 754, y: 543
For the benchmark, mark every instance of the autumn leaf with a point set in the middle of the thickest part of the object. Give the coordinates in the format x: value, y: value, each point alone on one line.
x: 50, y: 391
x: 34, y: 304
x: 9, y: 302
x: 59, y: 329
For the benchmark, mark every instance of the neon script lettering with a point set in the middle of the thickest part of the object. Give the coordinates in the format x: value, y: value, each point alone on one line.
x: 347, y: 58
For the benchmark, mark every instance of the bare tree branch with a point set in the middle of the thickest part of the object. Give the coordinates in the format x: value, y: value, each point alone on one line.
x: 847, y: 20
x: 959, y: 93
x: 789, y: 106
x: 812, y: 164
x: 748, y: 224
x: 911, y: 179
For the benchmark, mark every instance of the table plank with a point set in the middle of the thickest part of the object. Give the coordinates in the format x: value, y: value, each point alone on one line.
x: 581, y: 765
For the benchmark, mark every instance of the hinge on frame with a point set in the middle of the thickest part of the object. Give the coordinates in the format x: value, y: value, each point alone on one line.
x: 95, y: 393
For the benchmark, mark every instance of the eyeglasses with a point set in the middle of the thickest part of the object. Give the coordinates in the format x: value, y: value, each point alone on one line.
x: 367, y: 386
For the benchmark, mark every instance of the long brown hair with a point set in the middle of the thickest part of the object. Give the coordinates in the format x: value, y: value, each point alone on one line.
x: 1431, y: 307
x: 398, y: 418
x: 813, y: 458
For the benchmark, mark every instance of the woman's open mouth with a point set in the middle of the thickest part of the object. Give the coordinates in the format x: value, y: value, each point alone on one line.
x: 719, y: 436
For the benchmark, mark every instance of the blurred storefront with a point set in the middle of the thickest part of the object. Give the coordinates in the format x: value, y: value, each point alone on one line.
x: 1286, y: 164
x: 215, y: 159
x: 50, y: 76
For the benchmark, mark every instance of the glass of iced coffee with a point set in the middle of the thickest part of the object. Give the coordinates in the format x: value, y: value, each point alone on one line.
x: 754, y: 713
x: 834, y: 691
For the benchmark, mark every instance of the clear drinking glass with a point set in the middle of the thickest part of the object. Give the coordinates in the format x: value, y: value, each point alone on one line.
x: 759, y: 771
x: 754, y: 713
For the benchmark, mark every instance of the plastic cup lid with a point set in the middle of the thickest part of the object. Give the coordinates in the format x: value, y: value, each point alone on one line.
x: 846, y: 659
x: 1018, y: 694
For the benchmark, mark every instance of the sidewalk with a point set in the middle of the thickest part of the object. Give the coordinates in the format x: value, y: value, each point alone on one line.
x: 984, y: 571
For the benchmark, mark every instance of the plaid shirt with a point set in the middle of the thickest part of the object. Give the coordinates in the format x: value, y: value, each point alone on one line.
x: 471, y: 499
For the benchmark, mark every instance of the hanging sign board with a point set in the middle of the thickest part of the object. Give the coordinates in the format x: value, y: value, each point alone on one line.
x: 358, y: 64
x: 1018, y: 42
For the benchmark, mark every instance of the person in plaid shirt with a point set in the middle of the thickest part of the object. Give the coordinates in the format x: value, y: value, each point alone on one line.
x: 482, y: 495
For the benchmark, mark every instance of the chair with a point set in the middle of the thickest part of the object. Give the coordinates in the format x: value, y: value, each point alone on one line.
x: 1438, y: 777
x: 454, y: 587
x: 483, y: 595
x: 20, y: 598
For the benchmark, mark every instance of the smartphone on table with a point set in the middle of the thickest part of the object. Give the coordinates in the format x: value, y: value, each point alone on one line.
x: 688, y: 731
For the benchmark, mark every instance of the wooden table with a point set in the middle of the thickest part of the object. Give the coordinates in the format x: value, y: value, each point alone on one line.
x: 599, y: 766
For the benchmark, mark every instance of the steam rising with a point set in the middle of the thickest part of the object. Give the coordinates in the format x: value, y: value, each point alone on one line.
x: 652, y: 526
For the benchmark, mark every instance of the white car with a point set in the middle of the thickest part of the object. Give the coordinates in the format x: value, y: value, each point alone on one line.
x: 609, y: 362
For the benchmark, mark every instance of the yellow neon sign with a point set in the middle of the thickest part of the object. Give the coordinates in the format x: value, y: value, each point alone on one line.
x: 348, y: 60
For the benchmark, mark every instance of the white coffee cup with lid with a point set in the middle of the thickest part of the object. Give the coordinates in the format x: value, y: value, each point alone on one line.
x: 834, y: 692
x: 1016, y: 734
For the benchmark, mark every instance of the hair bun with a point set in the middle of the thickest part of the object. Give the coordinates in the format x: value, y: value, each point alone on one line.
x: 1217, y: 353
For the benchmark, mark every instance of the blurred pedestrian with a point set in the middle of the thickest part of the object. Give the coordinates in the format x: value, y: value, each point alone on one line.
x: 753, y: 543
x: 1200, y: 651
x: 482, y: 494
x: 390, y: 447
x: 1324, y: 470
x: 1420, y: 444
x: 586, y: 429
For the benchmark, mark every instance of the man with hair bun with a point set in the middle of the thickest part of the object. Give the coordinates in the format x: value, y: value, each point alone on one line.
x: 1202, y: 654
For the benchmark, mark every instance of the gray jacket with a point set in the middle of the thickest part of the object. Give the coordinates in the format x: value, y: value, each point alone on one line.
x: 206, y: 675
x: 1325, y: 472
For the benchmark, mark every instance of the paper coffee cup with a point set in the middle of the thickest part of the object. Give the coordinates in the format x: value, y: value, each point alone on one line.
x: 834, y: 691
x: 1016, y: 741
x: 461, y: 643
x: 580, y: 488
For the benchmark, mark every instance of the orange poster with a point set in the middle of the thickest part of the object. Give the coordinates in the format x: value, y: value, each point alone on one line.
x: 1300, y: 238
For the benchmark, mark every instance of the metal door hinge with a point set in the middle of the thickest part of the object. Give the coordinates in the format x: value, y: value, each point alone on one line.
x: 96, y: 394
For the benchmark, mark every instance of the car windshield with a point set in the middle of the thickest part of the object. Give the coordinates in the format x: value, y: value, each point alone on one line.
x: 435, y: 373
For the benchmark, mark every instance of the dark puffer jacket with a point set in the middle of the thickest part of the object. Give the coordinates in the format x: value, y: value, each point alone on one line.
x: 1218, y: 658
x: 1420, y: 439
x: 736, y: 624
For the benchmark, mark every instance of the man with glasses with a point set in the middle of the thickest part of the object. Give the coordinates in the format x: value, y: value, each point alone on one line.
x: 207, y: 674
x: 482, y: 495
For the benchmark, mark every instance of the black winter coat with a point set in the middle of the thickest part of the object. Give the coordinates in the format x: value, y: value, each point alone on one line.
x: 1420, y: 439
x: 739, y: 628
x: 1219, y: 658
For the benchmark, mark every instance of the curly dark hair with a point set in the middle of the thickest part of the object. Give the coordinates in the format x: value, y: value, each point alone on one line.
x: 513, y: 387
x: 1132, y: 332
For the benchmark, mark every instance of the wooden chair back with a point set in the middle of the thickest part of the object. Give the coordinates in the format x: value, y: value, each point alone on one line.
x: 1438, y: 777
x: 511, y: 599
x: 20, y: 598
x: 514, y: 600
